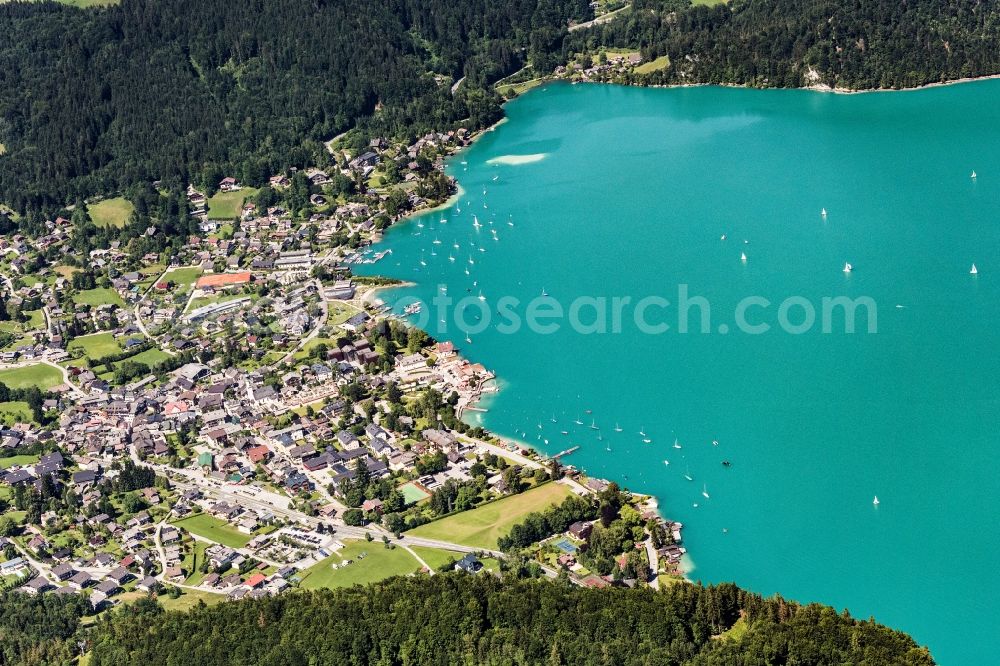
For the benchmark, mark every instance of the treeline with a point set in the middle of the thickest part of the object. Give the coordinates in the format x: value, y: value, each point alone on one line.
x: 458, y: 618
x: 33, y: 396
x: 39, y: 630
x: 777, y: 43
x: 189, y: 90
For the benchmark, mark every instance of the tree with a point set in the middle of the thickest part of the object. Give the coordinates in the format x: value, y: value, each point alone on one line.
x: 354, y: 517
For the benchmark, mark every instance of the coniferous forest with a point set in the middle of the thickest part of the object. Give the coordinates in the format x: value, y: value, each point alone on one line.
x: 459, y: 618
x: 97, y: 100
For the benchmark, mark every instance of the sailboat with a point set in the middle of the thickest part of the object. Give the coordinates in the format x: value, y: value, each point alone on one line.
x: 704, y: 491
x: 437, y: 241
x: 743, y: 257
x: 722, y: 237
x: 848, y: 268
x: 451, y: 257
x: 677, y: 444
x: 468, y: 339
x: 647, y: 440
x: 578, y: 421
x: 974, y: 270
x: 481, y: 297
x: 875, y: 501
x: 973, y: 176
x: 593, y: 425
x: 666, y: 462
x: 422, y: 262
x: 823, y: 213
x: 687, y: 475
x: 553, y: 418
x: 544, y: 293
x: 642, y: 431
x: 618, y: 428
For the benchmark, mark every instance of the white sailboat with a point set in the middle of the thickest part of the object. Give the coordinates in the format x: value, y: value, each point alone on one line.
x: 481, y: 297
x: 578, y: 421
x: 973, y: 176
x: 677, y: 444
x: 974, y: 270
x: 451, y: 257
x: 875, y: 501
x: 687, y: 475
x: 848, y: 268
x: 722, y: 237
x: 617, y: 428
x: 593, y: 425
x: 666, y: 462
x: 743, y: 257
x: 642, y: 431
x: 437, y: 241
x: 823, y: 213
x: 704, y: 491
x: 647, y: 440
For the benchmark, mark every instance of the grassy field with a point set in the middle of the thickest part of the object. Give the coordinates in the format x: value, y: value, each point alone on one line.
x: 193, y: 561
x: 436, y: 558
x: 519, y: 88
x: 307, y: 348
x: 378, y: 563
x: 10, y: 461
x: 99, y: 296
x: 14, y: 412
x: 150, y: 357
x: 111, y: 212
x: 647, y: 67
x: 481, y: 527
x: 214, y: 529
x: 41, y: 375
x: 228, y: 205
x: 184, y: 277
x: 96, y: 345
x: 708, y: 3
x: 339, y: 313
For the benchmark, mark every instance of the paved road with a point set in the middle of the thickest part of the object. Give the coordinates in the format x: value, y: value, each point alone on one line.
x: 599, y: 20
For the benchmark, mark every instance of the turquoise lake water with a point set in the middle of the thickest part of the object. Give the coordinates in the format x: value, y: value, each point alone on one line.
x: 627, y: 192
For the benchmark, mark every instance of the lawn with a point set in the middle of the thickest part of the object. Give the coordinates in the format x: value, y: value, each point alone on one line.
x: 340, y: 312
x: 10, y: 461
x: 150, y: 357
x: 307, y: 348
x: 184, y: 276
x: 110, y: 212
x: 229, y: 205
x: 214, y: 529
x: 653, y: 65
x: 96, y: 345
x: 41, y: 375
x: 14, y: 412
x: 378, y: 563
x: 193, y: 561
x: 99, y: 296
x: 481, y: 527
x: 436, y: 558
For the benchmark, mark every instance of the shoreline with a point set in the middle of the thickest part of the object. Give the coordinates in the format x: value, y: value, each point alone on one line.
x: 816, y: 87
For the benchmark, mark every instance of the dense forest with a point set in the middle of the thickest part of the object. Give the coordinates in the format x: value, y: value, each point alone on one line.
x: 458, y: 618
x: 98, y: 100
x: 775, y: 43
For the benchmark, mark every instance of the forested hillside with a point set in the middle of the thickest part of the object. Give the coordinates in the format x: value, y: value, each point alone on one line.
x: 96, y: 100
x: 858, y: 45
x: 456, y: 618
